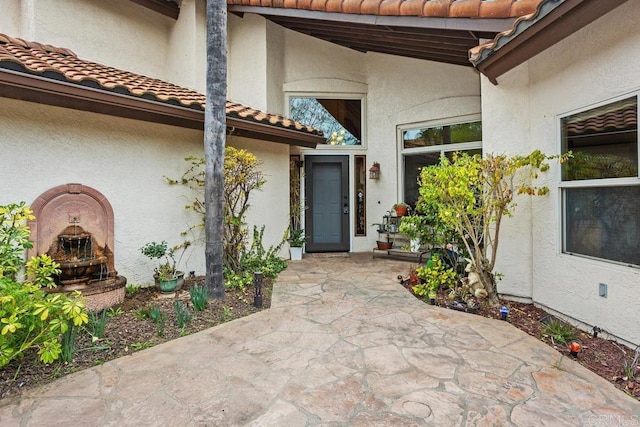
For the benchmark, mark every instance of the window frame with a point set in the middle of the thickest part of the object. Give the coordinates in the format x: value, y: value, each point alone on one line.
x: 445, y: 148
x: 564, y: 185
x: 362, y: 97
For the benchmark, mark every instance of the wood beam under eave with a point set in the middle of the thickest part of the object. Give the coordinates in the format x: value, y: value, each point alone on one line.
x: 164, y: 7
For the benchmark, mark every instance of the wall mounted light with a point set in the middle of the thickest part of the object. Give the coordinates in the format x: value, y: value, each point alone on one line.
x: 374, y: 171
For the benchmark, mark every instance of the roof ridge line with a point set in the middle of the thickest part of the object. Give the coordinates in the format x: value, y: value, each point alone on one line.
x: 5, y: 39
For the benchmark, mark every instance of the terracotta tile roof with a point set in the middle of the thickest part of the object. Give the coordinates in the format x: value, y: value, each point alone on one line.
x: 62, y: 64
x: 477, y: 53
x: 423, y: 8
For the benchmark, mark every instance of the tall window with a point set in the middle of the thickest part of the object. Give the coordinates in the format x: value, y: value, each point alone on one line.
x: 339, y: 119
x: 423, y: 146
x: 600, y: 188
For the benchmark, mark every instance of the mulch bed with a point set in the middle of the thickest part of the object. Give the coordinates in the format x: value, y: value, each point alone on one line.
x: 125, y: 333
x: 599, y: 354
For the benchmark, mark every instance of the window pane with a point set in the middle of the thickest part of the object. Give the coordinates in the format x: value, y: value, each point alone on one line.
x: 442, y: 135
x: 603, y: 222
x: 339, y: 119
x: 604, y: 142
x: 412, y: 166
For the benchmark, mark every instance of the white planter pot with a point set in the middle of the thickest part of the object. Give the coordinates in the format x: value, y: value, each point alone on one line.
x: 296, y: 253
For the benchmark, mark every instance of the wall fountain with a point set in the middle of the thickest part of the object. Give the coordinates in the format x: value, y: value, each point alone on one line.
x: 74, y: 225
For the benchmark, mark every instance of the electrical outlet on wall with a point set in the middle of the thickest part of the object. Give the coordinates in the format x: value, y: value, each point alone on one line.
x: 602, y: 291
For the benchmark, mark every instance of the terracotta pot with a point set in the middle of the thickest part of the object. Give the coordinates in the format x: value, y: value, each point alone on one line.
x: 401, y: 210
x: 384, y: 245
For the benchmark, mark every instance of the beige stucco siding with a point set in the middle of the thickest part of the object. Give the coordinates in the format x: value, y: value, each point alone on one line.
x: 126, y: 160
x: 595, y: 64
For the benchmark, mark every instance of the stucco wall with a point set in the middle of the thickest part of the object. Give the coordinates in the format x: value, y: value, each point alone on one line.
x: 595, y: 64
x: 247, y: 61
x: 398, y: 91
x: 125, y: 160
x: 118, y: 33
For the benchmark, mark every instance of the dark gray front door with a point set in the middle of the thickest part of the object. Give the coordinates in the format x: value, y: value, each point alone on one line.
x: 327, y: 199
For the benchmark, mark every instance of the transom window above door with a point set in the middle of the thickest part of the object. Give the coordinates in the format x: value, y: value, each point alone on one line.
x: 339, y: 119
x: 422, y: 146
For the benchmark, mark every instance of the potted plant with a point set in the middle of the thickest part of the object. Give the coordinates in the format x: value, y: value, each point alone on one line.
x: 296, y: 240
x: 166, y: 276
x: 401, y: 208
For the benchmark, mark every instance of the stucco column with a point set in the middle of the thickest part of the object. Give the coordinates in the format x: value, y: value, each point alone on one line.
x: 506, y: 129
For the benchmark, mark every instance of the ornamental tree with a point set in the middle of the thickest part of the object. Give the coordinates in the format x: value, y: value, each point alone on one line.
x: 472, y: 196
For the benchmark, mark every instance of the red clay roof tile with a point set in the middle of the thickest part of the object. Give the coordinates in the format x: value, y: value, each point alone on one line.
x: 351, y: 6
x: 496, y: 8
x: 424, y: 8
x: 37, y: 59
x: 464, y: 9
x: 390, y: 7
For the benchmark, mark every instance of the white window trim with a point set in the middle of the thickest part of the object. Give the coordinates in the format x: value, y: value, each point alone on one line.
x: 335, y: 95
x: 590, y: 183
x: 401, y: 152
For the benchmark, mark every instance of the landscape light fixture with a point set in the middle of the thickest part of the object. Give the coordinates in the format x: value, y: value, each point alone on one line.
x: 574, y: 349
x: 257, y: 283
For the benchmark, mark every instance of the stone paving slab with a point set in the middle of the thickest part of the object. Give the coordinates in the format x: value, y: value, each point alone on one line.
x: 343, y: 344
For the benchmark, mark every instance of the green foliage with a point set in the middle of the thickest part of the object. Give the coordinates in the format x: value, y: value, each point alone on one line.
x: 68, y: 344
x: 142, y: 313
x: 141, y: 345
x: 257, y: 258
x: 14, y: 237
x: 435, y: 275
x: 132, y: 289
x: 471, y: 195
x: 199, y: 297
x: 242, y: 175
x: 158, y: 318
x: 227, y: 313
x: 183, y: 314
x: 29, y: 316
x: 97, y: 323
x: 239, y: 281
x: 296, y: 238
x: 559, y: 331
x: 115, y: 311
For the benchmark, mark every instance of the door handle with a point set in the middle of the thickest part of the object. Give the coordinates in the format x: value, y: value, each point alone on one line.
x: 345, y: 209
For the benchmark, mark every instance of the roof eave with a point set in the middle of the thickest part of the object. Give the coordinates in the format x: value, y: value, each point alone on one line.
x: 552, y: 23
x: 41, y: 90
x: 436, y: 23
x: 167, y: 8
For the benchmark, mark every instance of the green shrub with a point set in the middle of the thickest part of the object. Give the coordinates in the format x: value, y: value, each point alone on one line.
x: 183, y: 314
x: 559, y: 331
x: 29, y: 316
x: 435, y: 275
x: 199, y: 297
x: 97, y: 323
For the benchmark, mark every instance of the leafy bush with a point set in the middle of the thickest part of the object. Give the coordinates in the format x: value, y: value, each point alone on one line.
x: 29, y: 316
x: 257, y: 258
x: 435, y: 276
x: 559, y: 331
